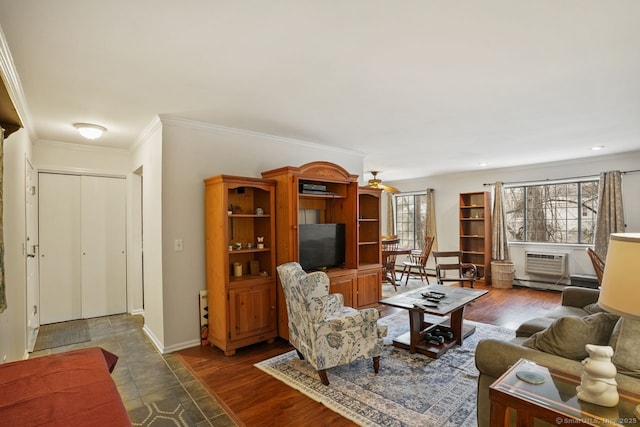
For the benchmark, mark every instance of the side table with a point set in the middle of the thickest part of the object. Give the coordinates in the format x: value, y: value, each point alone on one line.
x: 554, y: 400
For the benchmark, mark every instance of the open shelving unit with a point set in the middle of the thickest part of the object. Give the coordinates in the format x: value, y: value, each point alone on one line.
x: 475, y: 231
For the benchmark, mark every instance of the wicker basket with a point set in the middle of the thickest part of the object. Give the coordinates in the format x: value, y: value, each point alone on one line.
x: 502, y: 274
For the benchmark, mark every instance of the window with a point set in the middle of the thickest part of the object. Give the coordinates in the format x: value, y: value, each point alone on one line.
x: 552, y: 213
x: 411, y: 212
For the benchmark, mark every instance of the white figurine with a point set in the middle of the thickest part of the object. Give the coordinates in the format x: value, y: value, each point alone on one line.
x: 598, y: 384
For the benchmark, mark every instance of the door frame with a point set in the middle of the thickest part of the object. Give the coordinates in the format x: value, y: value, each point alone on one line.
x: 31, y: 250
x: 106, y: 174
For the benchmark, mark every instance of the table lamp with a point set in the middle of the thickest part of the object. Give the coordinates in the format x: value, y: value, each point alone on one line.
x: 620, y: 282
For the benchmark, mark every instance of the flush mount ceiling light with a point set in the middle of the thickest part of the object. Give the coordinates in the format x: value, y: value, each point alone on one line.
x: 597, y: 147
x: 90, y: 131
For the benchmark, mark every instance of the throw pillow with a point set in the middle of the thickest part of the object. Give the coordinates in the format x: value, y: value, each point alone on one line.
x: 625, y: 341
x: 568, y: 336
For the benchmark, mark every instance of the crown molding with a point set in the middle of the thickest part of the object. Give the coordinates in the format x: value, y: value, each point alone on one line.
x: 153, y: 125
x: 209, y: 127
x: 14, y: 87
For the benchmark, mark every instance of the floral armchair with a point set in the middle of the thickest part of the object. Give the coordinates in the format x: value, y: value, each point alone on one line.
x: 323, y: 331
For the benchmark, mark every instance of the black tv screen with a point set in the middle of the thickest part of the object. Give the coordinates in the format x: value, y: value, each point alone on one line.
x: 321, y: 245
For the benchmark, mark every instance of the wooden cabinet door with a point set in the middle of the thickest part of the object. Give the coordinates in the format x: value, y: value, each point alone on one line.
x: 252, y: 310
x: 368, y: 288
x: 344, y: 284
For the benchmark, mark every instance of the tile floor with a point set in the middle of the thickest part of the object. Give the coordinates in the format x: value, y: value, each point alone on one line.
x: 143, y: 375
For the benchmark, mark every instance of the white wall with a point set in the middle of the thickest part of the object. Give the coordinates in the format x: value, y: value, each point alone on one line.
x: 67, y: 157
x: 13, y: 321
x: 147, y: 155
x: 447, y: 188
x: 191, y: 153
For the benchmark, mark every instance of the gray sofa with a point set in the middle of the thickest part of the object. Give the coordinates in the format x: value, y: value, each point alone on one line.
x: 493, y: 357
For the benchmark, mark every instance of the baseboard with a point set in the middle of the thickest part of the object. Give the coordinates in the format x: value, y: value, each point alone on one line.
x: 170, y: 349
x: 543, y: 286
x: 156, y: 342
x: 182, y: 346
x: 138, y: 311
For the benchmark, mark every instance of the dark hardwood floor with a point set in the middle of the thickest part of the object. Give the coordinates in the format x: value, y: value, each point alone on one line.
x: 254, y: 398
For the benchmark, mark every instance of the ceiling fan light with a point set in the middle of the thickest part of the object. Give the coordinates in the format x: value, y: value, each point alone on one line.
x: 90, y: 131
x: 377, y: 183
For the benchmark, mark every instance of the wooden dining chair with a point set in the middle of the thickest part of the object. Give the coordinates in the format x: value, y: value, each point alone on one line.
x: 598, y: 264
x: 418, y: 262
x: 389, y: 253
x: 451, y: 261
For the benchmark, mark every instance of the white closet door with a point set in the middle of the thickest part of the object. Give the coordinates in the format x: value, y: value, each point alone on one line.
x: 104, y: 280
x: 59, y: 217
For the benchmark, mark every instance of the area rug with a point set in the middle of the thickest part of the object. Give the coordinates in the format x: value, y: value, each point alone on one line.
x: 164, y: 413
x: 409, y: 390
x: 63, y: 333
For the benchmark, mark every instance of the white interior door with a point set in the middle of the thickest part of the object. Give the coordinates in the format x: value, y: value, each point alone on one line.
x: 31, y: 249
x: 103, y: 230
x: 59, y: 230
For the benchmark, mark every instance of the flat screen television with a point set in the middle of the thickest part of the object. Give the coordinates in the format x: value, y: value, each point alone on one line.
x: 321, y: 245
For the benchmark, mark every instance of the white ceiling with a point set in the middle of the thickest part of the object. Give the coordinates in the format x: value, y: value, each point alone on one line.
x: 421, y: 87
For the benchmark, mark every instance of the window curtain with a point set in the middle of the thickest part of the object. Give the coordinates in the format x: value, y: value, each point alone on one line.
x: 500, y: 245
x: 391, y: 223
x: 3, y: 295
x: 610, y: 218
x: 430, y: 220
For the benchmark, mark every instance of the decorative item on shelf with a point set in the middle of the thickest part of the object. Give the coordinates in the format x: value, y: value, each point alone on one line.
x: 598, y: 383
x: 234, y: 209
x: 620, y: 284
x: 238, y: 246
x: 249, y: 245
x: 260, y: 242
x: 259, y: 211
x: 237, y: 269
x: 230, y: 248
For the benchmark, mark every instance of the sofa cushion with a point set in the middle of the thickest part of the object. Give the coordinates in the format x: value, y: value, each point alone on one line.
x: 625, y: 340
x: 568, y: 336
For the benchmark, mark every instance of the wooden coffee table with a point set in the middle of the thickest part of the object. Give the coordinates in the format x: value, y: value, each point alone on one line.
x: 445, y: 315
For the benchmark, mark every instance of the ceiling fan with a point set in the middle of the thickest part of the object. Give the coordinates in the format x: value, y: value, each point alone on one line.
x: 377, y: 183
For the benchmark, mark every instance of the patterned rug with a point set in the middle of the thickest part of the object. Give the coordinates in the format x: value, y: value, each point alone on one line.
x: 409, y: 390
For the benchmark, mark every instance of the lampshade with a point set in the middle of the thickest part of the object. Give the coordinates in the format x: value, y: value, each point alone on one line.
x: 621, y: 281
x: 89, y: 130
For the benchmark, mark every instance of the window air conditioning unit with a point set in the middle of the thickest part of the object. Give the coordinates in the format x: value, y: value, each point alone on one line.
x: 551, y: 264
